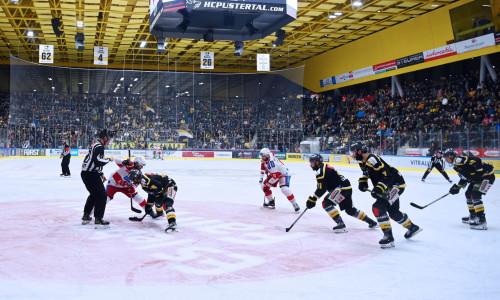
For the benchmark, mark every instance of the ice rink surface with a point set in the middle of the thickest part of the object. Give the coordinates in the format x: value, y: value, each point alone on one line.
x: 228, y: 247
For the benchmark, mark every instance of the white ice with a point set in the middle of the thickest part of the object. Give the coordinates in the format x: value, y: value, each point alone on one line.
x: 228, y: 247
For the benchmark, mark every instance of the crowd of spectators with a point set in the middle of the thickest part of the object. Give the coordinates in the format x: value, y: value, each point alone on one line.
x: 456, y: 110
x: 41, y: 120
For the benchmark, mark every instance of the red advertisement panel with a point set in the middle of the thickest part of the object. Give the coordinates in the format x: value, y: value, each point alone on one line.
x: 197, y: 154
x: 389, y: 65
x: 482, y: 153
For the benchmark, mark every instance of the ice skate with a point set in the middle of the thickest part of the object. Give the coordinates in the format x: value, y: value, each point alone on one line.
x: 412, y: 231
x: 466, y: 220
x: 423, y: 180
x: 172, y: 227
x: 296, y: 207
x: 86, y: 219
x: 269, y: 204
x: 340, y: 228
x: 101, y: 224
x: 478, y: 223
x: 387, y: 241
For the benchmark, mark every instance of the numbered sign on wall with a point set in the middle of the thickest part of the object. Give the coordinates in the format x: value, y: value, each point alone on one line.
x: 207, y: 60
x: 46, y: 54
x: 100, y: 55
x: 263, y: 62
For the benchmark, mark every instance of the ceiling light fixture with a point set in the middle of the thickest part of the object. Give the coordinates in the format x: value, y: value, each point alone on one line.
x: 30, y: 33
x: 357, y: 3
x: 79, y: 24
x: 143, y: 44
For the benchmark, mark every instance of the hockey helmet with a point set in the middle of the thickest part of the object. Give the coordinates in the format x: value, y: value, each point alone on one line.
x: 139, y: 161
x: 265, y: 152
x: 355, y: 148
x: 105, y: 134
x: 135, y: 175
x: 316, y: 158
x: 449, y: 152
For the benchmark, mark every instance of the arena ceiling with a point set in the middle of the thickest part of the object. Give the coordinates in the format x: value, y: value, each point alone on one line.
x: 125, y: 25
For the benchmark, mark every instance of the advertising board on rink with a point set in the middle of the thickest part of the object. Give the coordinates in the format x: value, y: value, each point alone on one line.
x: 197, y: 154
x: 32, y: 152
x: 245, y: 154
x: 223, y: 154
x: 294, y: 156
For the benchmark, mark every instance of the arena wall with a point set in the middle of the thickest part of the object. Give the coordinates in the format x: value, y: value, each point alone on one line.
x: 405, y: 163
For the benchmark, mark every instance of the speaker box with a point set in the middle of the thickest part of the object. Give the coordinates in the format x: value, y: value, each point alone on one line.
x: 56, y: 23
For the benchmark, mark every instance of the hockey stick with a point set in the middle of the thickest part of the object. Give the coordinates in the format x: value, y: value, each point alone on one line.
x: 288, y: 228
x: 422, y: 207
x: 136, y: 219
x: 132, y: 208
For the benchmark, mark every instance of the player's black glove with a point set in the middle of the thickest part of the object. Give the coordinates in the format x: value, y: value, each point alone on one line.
x: 455, y: 189
x: 148, y: 209
x: 378, y: 192
x: 363, y: 184
x: 311, y: 202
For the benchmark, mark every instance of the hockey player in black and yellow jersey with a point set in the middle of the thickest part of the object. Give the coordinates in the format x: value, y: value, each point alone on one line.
x: 161, y: 193
x: 340, y: 192
x: 388, y: 185
x: 480, y: 176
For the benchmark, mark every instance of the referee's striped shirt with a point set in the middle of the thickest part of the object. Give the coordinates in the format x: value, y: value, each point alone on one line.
x: 94, y: 161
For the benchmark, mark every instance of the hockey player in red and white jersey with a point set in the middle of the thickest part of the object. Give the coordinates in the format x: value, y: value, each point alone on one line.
x: 276, y: 173
x: 119, y: 181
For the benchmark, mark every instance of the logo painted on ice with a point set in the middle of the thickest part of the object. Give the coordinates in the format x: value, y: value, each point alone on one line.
x: 223, y: 246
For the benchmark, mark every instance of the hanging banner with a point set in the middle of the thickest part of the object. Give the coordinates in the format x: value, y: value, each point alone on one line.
x: 263, y: 62
x: 46, y: 54
x: 207, y: 60
x: 100, y: 55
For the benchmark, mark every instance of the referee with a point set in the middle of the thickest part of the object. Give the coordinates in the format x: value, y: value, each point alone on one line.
x: 66, y: 157
x: 438, y: 163
x: 93, y: 179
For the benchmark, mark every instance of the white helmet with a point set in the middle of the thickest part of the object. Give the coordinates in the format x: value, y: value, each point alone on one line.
x: 140, y: 161
x: 265, y: 151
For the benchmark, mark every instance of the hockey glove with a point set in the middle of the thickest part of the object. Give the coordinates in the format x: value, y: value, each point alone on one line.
x: 378, y: 192
x: 363, y: 184
x: 455, y: 189
x: 311, y: 202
